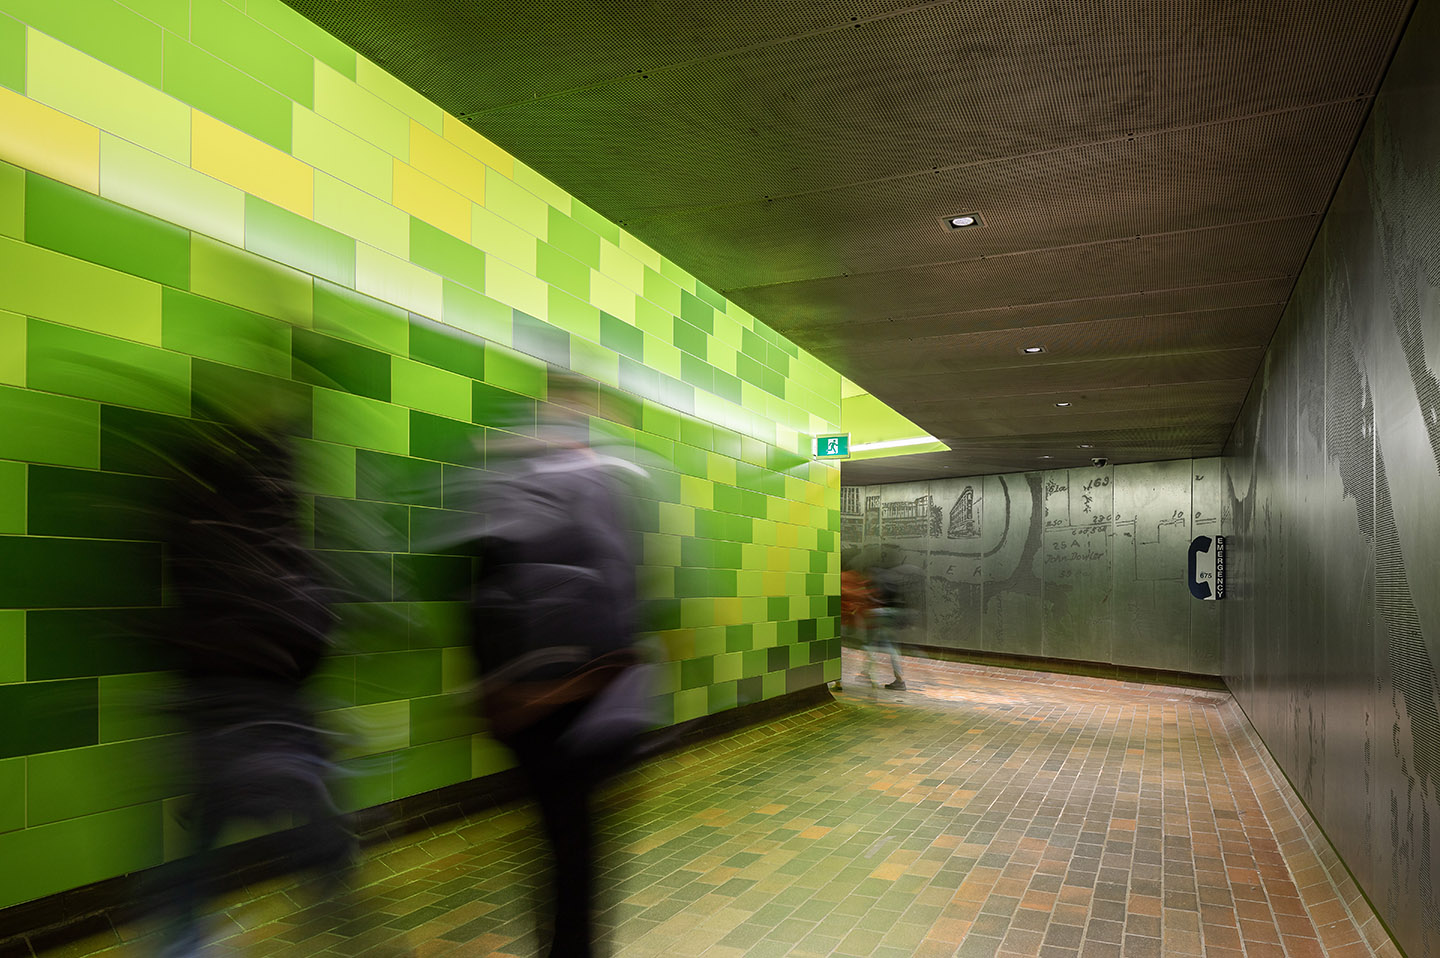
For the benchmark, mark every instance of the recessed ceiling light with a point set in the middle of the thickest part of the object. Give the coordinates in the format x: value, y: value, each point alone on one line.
x: 1062, y: 404
x: 1032, y: 349
x: 1044, y: 457
x: 1086, y: 445
x: 960, y: 221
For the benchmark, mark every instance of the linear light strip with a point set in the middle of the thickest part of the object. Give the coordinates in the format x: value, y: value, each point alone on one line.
x: 892, y: 443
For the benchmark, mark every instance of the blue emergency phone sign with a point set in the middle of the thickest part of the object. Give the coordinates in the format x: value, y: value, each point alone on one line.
x: 832, y: 447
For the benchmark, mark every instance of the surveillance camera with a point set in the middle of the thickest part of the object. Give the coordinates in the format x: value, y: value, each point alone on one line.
x: 1099, y: 461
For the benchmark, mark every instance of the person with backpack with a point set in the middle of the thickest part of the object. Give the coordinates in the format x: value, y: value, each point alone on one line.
x: 555, y: 617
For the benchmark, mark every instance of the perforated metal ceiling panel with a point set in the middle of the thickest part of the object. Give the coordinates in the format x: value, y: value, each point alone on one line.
x: 1151, y: 175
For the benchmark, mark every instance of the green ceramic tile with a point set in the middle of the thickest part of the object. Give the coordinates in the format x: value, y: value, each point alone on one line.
x: 622, y: 337
x: 722, y: 696
x: 248, y: 397
x: 437, y: 250
x: 102, y: 28
x: 219, y: 89
x: 541, y: 340
x: 304, y: 34
x: 507, y: 199
x: 79, y: 851
x: 82, y: 781
x: 48, y: 429
x: 325, y: 468
x: 475, y: 313
x: 560, y: 268
x: 443, y: 439
x: 587, y: 219
x: 69, y: 573
x: 690, y: 704
x: 446, y: 347
x: 12, y: 200
x: 360, y: 319
x: 47, y: 716
x: 398, y: 479
x: 39, y: 282
x: 243, y: 279
x: 12, y: 794
x: 132, y: 440
x: 433, y: 765
x: 197, y: 326
x: 86, y: 504
x: 697, y: 312
x: 361, y: 525
x: 133, y: 705
x: 440, y: 625
x: 169, y: 189
x: 502, y: 239
x: 87, y: 365
x: 370, y: 627
x: 283, y: 236
x: 437, y: 717
x: 323, y: 360
x: 662, y: 292
x: 339, y: 98
x: 12, y: 54
x: 434, y: 390
x: 385, y: 676
x: 402, y: 97
x: 574, y: 315
x: 12, y: 497
x: 571, y: 237
x: 253, y: 49
x: 12, y: 646
x: 516, y: 372
x: 364, y: 423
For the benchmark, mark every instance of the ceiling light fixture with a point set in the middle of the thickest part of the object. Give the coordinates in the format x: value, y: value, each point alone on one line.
x: 960, y: 221
x: 1032, y: 350
x: 1062, y: 404
x: 1086, y: 445
x: 892, y: 443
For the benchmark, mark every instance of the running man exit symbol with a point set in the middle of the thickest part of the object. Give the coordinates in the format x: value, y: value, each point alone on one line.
x: 832, y: 447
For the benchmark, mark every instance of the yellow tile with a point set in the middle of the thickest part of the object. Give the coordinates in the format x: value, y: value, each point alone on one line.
x: 729, y: 611
x: 799, y: 513
x: 446, y: 162
x: 49, y: 142
x: 774, y: 583
x: 697, y: 492
x: 477, y: 146
x: 423, y: 197
x: 787, y: 535
x: 256, y: 167
x: 720, y: 468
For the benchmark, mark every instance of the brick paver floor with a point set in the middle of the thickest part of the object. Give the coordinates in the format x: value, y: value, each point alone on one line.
x: 983, y: 812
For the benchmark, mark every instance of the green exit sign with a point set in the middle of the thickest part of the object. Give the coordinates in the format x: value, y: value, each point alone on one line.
x: 832, y: 447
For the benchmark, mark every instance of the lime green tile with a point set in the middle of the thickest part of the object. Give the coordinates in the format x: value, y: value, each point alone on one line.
x: 39, y: 282
x: 326, y: 468
x: 457, y: 669
x: 12, y: 53
x: 74, y: 362
x: 420, y: 386
x: 144, y: 180
x: 356, y: 213
x: 516, y: 372
x: 291, y: 239
x: 12, y: 349
x: 364, y: 423
x: 303, y: 33
x: 550, y: 194
x: 430, y: 766
x: 243, y: 279
x: 559, y: 268
x: 662, y: 292
x: 341, y: 100
x: 361, y: 319
x: 671, y: 271
x: 49, y: 429
x: 12, y: 794
x: 488, y: 756
x: 398, y: 95
x: 12, y: 201
x: 588, y: 219
x: 88, y: 89
x: 453, y: 258
x: 82, y: 781
x: 337, y: 151
x: 575, y: 240
x: 253, y: 49
x: 375, y: 728
x: 102, y: 28
x: 474, y: 312
x: 79, y: 851
x: 572, y: 314
x: 12, y: 643
x: 85, y: 226
x: 510, y: 201
x: 594, y: 361
x: 217, y: 88
x: 173, y: 15
x: 691, y: 704
x: 501, y: 238
x: 227, y: 334
x: 12, y: 498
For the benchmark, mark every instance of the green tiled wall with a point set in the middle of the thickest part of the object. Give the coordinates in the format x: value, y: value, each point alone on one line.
x: 202, y: 199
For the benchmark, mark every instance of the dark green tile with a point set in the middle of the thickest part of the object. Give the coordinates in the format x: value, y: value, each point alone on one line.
x: 437, y: 625
x: 690, y: 339
x: 72, y: 573
x: 438, y: 717
x: 461, y: 486
x: 442, y: 531
x: 361, y: 525
x: 386, y: 676
x: 371, y: 627
x: 202, y: 327
x: 622, y: 337
x: 389, y: 478
x: 359, y: 576
x: 73, y: 643
x: 222, y: 393
x: 433, y: 578
x: 697, y: 312
x: 83, y: 503
x: 132, y: 440
x: 80, y: 224
x: 503, y: 409
x: 695, y: 673
x: 697, y: 553
x: 438, y: 251
x: 444, y: 440
x: 447, y: 347
x: 326, y: 361
x: 777, y: 608
x: 432, y: 765
x: 541, y: 340
x: 710, y: 296
x: 692, y: 583
x: 48, y: 716
x: 739, y: 638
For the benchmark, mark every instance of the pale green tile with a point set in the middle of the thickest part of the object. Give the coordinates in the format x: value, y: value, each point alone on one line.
x: 364, y: 423
x: 595, y: 361
x: 643, y: 253
x: 622, y: 267
x: 398, y: 95
x: 477, y: 313
x: 12, y: 637
x: 419, y: 386
x: 508, y: 200
x: 38, y: 282
x: 398, y: 281
x: 517, y: 289
x: 676, y: 275
x: 102, y: 28
x: 66, y: 79
x: 370, y: 729
x: 144, y: 180
x: 572, y: 315
x: 662, y: 291
x: 501, y: 238
x: 298, y: 241
x: 12, y: 349
x: 356, y: 213
x: 364, y: 114
x: 236, y: 276
x: 533, y: 182
x: 335, y: 151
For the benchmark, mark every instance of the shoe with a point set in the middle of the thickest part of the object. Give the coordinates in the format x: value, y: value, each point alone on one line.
x: 897, y: 686
x: 837, y: 687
